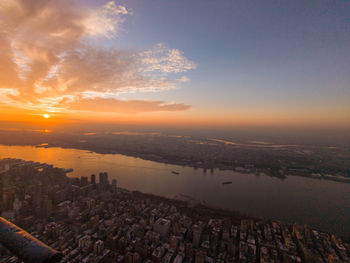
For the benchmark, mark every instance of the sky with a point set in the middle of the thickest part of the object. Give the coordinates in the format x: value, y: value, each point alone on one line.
x: 214, y: 63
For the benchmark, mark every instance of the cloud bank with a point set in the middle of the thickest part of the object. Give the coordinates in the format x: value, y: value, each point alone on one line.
x: 47, y: 61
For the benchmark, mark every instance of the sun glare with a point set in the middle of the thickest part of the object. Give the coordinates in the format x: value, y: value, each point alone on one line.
x: 46, y: 116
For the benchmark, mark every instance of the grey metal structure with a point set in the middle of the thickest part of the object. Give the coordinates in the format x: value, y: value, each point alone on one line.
x: 24, y: 246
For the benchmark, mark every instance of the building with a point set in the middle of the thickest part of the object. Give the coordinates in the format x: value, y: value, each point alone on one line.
x: 98, y: 247
x: 103, y: 181
x: 85, y: 243
x: 93, y: 179
x: 84, y: 181
x: 196, y: 235
x: 162, y: 226
x: 114, y: 185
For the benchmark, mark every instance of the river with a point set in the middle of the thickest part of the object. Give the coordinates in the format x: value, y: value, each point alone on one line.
x: 322, y: 204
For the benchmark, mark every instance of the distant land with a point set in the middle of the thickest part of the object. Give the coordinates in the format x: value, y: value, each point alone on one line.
x: 278, y: 159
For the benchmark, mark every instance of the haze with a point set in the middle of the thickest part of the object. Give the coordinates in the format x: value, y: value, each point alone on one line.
x: 227, y: 66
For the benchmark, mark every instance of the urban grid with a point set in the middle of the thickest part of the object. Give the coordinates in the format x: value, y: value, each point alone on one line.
x: 92, y: 220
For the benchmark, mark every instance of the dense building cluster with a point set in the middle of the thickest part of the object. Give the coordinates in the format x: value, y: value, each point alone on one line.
x: 90, y: 221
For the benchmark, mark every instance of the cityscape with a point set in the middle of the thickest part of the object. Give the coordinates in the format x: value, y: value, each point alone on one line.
x: 91, y: 219
x: 184, y: 131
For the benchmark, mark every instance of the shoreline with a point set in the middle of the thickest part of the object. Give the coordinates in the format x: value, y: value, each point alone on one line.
x: 218, y: 212
x: 154, y: 158
x: 199, y: 207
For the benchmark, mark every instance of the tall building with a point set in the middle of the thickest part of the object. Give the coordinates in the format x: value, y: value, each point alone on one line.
x: 103, y: 181
x: 173, y: 243
x: 93, y: 179
x: 196, y: 235
x: 114, y: 185
x: 103, y: 178
x: 84, y: 181
x: 45, y: 207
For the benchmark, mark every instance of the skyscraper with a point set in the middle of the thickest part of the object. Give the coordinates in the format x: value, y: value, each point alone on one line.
x: 114, y: 185
x: 93, y: 179
x: 103, y: 181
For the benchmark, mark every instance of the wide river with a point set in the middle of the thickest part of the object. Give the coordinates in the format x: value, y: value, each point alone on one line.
x: 319, y: 203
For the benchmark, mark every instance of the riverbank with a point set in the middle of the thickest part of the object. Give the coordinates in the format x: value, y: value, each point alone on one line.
x: 323, y: 204
x: 242, y: 168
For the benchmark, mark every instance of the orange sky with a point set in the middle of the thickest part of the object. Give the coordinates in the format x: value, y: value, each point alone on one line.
x: 66, y: 60
x: 190, y: 117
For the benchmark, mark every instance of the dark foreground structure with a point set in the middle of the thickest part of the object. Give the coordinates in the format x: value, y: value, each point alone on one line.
x: 25, y: 246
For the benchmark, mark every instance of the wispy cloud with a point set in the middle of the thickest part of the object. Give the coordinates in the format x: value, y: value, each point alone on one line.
x: 125, y: 106
x: 162, y: 59
x: 107, y: 20
x: 45, y: 56
x: 183, y: 79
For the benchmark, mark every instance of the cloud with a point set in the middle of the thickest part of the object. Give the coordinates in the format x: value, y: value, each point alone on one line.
x: 37, y: 35
x: 183, y: 79
x: 8, y: 68
x: 165, y: 60
x: 46, y: 55
x: 125, y: 106
x: 107, y: 20
x: 5, y: 94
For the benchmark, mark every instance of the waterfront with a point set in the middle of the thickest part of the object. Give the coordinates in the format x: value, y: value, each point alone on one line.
x: 319, y: 203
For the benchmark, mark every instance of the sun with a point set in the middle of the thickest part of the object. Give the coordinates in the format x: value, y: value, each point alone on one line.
x: 46, y: 116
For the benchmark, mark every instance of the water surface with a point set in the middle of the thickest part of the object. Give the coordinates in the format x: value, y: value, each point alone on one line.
x: 319, y: 203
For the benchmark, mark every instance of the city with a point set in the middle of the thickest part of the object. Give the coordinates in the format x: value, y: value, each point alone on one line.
x: 148, y: 131
x: 91, y: 219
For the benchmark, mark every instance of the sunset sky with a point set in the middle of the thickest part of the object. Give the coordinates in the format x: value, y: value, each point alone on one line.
x: 179, y: 62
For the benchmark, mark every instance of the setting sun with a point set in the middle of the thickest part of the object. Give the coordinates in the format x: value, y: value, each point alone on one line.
x: 137, y: 131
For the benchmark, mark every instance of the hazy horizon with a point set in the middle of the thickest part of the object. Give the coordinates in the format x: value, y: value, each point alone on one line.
x: 301, y: 135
